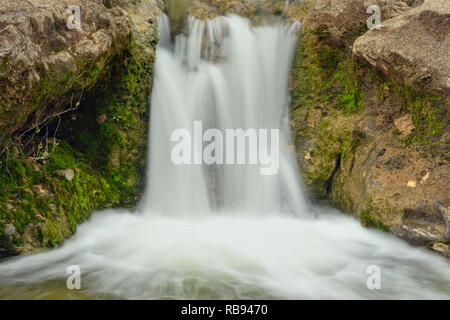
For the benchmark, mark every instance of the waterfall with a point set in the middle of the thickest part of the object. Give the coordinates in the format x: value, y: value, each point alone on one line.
x: 228, y: 76
x: 225, y: 231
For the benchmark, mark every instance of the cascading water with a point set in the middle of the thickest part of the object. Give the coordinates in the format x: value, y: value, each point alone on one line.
x: 224, y: 231
x: 247, y: 90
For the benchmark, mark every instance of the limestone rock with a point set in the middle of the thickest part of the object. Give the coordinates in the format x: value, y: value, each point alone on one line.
x: 339, y: 22
x: 67, y: 173
x: 444, y: 211
x: 442, y: 248
x: 10, y: 230
x: 405, y: 125
x: 41, y: 59
x: 416, y: 235
x: 411, y: 48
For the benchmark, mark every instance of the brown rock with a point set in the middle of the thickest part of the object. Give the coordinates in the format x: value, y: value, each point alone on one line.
x: 412, y: 48
x: 442, y: 248
x: 416, y: 235
x: 445, y: 213
x: 339, y: 22
x: 10, y: 231
x: 38, y: 49
x: 405, y: 125
x: 101, y: 119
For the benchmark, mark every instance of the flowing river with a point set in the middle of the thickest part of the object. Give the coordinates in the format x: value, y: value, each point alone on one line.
x: 225, y: 231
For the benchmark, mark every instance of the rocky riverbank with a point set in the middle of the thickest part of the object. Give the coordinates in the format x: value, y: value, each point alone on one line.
x: 73, y: 113
x: 370, y: 114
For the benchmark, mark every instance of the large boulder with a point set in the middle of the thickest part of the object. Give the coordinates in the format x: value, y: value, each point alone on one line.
x: 412, y: 48
x: 42, y: 59
x: 339, y: 22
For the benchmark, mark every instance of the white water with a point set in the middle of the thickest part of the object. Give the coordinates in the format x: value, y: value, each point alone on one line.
x: 225, y: 231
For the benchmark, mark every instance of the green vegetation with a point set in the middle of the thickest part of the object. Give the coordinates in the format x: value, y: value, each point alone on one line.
x: 429, y: 126
x: 426, y: 111
x: 43, y: 205
x: 368, y: 220
x: 325, y: 74
x: 325, y: 86
x: 107, y: 157
x: 350, y: 95
x: 117, y: 144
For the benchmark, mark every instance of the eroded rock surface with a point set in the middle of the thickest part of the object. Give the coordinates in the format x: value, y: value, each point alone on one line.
x: 371, y: 136
x: 412, y: 48
x: 339, y: 22
x: 42, y: 58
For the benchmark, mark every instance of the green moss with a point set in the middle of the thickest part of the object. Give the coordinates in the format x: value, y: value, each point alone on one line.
x: 427, y: 111
x: 323, y: 74
x: 429, y: 126
x: 349, y: 93
x: 108, y: 159
x: 368, y: 220
x: 369, y: 217
x: 72, y: 200
x: 4, y: 64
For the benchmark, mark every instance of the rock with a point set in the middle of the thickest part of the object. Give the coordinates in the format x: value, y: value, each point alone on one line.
x: 442, y: 248
x: 67, y: 173
x: 339, y: 22
x: 101, y: 119
x: 416, y: 235
x: 423, y: 224
x: 389, y: 8
x: 212, y: 8
x: 414, y: 3
x: 39, y: 52
x: 53, y: 208
x: 405, y: 125
x: 10, y: 230
x: 397, y: 161
x: 411, y: 48
x: 411, y: 184
x: 444, y: 211
x: 9, y: 206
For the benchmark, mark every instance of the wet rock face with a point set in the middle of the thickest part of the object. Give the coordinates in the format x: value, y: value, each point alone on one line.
x: 37, y: 48
x: 412, y: 48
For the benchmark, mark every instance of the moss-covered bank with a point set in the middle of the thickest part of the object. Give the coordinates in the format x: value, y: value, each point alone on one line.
x: 89, y: 154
